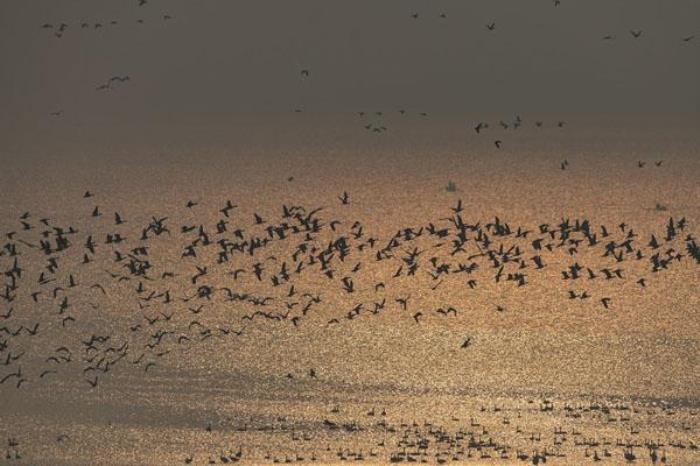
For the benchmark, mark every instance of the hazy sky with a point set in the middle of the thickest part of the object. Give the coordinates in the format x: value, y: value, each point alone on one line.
x: 246, y: 56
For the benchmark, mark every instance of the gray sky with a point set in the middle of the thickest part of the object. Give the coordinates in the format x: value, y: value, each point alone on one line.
x: 225, y: 56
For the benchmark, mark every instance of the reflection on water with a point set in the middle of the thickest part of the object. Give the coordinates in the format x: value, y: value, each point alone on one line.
x: 548, y: 315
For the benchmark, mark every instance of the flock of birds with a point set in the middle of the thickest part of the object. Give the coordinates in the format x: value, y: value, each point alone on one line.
x: 491, y: 26
x: 531, y: 431
x: 59, y: 29
x: 375, y: 125
x: 57, y: 275
x: 62, y: 27
x: 493, y: 433
x: 374, y: 122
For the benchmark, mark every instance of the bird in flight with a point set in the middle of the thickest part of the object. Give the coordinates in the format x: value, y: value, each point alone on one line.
x: 491, y: 26
x: 636, y: 33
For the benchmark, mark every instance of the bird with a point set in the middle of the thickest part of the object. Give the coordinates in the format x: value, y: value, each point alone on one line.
x: 636, y: 33
x: 403, y: 302
x: 467, y: 342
